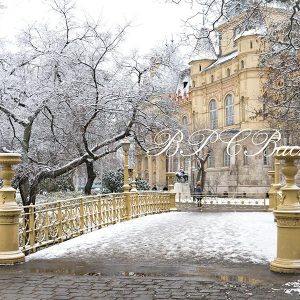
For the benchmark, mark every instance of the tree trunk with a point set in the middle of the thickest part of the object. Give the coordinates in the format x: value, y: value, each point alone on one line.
x: 203, y: 178
x: 24, y: 190
x: 91, y: 175
x: 201, y: 174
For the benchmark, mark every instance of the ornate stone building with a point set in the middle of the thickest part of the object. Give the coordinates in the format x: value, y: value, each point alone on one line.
x: 221, y: 92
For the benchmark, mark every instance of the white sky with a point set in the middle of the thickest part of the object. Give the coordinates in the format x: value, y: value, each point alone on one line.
x: 152, y: 20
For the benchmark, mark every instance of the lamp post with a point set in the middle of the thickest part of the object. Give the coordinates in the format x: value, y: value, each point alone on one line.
x: 133, y: 184
x: 9, y: 212
x: 125, y: 147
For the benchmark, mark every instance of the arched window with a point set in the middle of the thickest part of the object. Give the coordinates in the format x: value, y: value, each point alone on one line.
x: 211, y: 160
x: 229, y: 110
x: 184, y: 120
x: 251, y: 45
x: 213, y: 114
x: 226, y: 158
x: 200, y: 68
x: 211, y: 78
x: 242, y: 64
x: 245, y: 156
x: 228, y: 72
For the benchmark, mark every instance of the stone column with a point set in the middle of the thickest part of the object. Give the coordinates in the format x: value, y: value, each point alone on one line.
x: 150, y: 171
x: 287, y: 215
x: 9, y: 212
x: 276, y: 185
x: 272, y: 192
x: 171, y: 178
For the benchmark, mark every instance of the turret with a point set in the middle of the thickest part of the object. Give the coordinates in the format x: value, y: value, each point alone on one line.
x: 204, y: 53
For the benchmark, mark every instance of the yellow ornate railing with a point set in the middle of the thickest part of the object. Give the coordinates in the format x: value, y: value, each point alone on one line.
x: 44, y: 224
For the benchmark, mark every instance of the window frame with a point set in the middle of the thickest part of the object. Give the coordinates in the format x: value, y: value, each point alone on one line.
x: 229, y: 110
x: 226, y: 158
x: 213, y: 122
x: 211, y: 160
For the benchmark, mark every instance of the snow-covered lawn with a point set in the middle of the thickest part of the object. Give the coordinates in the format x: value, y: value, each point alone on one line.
x: 178, y: 237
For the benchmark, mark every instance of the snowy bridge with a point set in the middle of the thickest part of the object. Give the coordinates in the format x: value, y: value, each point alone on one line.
x: 45, y: 224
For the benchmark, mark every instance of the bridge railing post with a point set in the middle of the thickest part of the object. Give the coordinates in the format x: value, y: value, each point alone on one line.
x: 59, y: 222
x: 31, y: 228
x: 99, y: 221
x: 81, y: 216
x: 287, y: 215
x: 171, y: 178
x: 9, y: 212
x: 127, y: 199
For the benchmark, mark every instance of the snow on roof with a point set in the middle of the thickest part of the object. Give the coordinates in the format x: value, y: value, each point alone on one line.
x: 223, y: 59
x: 204, y: 48
x: 254, y: 31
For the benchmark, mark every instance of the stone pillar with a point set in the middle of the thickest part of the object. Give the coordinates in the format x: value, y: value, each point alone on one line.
x: 272, y: 192
x: 150, y: 171
x: 9, y: 212
x: 276, y: 185
x: 171, y: 178
x: 142, y: 171
x: 287, y: 215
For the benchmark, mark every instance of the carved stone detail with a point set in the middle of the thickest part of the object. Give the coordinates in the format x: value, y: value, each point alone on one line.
x: 288, y: 222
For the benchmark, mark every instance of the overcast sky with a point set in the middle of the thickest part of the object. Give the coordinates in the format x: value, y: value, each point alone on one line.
x: 152, y: 20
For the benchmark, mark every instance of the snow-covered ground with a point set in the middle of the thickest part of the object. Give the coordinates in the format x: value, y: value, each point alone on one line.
x: 177, y: 237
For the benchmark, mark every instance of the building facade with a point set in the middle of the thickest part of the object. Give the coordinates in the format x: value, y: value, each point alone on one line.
x: 221, y: 92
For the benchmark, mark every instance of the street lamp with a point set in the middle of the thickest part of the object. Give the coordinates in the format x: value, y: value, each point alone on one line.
x: 125, y: 147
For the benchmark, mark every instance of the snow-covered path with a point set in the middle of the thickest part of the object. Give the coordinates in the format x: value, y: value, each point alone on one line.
x: 181, y: 237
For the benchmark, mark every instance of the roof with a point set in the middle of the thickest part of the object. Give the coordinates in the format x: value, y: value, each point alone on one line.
x: 223, y: 59
x: 254, y: 31
x: 204, y: 48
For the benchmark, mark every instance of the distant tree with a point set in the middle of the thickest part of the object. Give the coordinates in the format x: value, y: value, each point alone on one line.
x: 142, y: 184
x: 281, y: 78
x: 68, y: 97
x: 214, y: 12
x: 113, y: 181
x: 62, y: 183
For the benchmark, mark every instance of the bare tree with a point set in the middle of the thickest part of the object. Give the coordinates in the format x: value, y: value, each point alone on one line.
x: 281, y: 64
x: 67, y: 99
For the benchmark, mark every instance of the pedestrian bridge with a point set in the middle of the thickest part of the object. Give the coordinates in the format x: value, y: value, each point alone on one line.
x: 49, y: 223
x: 27, y: 229
x: 45, y: 224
